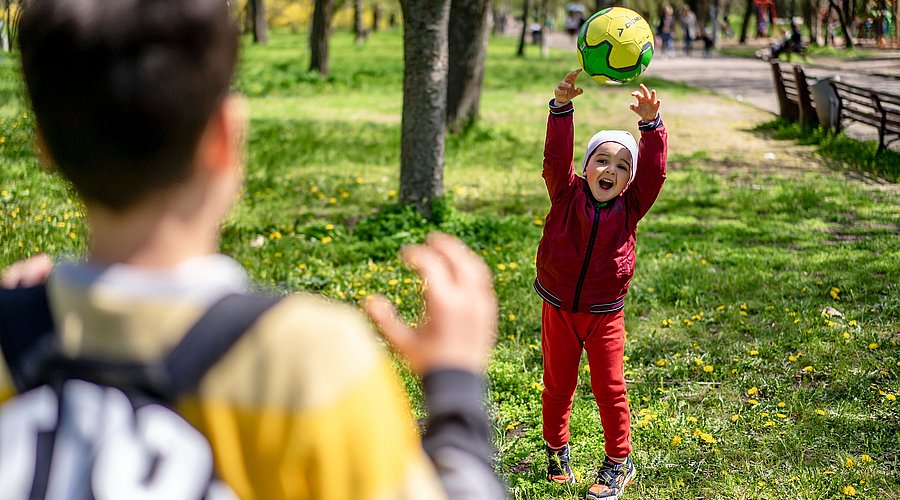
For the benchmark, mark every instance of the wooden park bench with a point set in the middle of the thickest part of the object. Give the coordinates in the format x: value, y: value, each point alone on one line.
x: 792, y: 89
x: 871, y: 107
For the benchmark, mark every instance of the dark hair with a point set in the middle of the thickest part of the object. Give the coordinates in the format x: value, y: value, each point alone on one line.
x: 123, y: 89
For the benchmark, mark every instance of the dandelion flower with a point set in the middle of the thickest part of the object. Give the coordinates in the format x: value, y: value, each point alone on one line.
x: 848, y: 462
x: 708, y: 438
x: 676, y: 441
x: 735, y: 418
x: 820, y: 411
x: 751, y: 391
x: 512, y: 425
x: 708, y: 368
x: 865, y: 458
x: 781, y: 404
x: 661, y: 362
x: 808, y: 369
x: 891, y: 397
x: 873, y: 345
x: 692, y: 419
x: 753, y: 402
x: 849, y: 490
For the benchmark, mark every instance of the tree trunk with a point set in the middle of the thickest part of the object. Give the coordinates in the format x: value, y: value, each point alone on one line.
x: 258, y: 16
x: 376, y: 15
x: 745, y: 25
x: 809, y: 10
x: 424, y: 101
x: 521, y: 51
x: 848, y: 38
x: 7, y: 41
x: 319, y: 36
x: 467, y: 37
x: 358, y: 29
x: 847, y: 14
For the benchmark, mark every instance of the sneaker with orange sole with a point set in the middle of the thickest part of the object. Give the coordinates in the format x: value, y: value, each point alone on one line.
x: 612, y: 478
x: 558, y: 469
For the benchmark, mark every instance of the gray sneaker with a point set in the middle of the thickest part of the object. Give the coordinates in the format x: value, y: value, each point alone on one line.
x: 612, y: 478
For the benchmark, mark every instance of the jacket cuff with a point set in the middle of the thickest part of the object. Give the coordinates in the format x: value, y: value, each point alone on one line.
x: 652, y: 125
x: 450, y: 390
x: 565, y: 109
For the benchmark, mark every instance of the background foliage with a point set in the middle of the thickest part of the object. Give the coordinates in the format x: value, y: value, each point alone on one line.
x: 740, y: 385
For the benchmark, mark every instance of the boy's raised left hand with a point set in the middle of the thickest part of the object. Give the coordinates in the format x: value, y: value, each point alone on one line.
x: 647, y: 105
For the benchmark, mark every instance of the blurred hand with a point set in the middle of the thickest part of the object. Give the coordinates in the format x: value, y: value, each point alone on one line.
x: 460, y: 323
x: 566, y: 90
x: 26, y: 273
x: 647, y: 106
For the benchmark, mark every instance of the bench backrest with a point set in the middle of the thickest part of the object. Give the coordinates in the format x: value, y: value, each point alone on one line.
x: 792, y: 90
x: 871, y: 107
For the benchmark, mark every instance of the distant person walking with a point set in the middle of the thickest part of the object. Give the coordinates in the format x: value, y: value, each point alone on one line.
x: 688, y: 28
x: 666, y: 30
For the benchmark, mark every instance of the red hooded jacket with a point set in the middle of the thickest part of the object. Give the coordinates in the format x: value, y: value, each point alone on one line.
x: 585, y: 260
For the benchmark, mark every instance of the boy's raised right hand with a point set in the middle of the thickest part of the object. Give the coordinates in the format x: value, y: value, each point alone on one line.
x: 566, y: 90
x: 460, y: 324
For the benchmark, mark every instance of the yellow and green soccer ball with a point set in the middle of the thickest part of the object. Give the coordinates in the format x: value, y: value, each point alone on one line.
x: 615, y: 45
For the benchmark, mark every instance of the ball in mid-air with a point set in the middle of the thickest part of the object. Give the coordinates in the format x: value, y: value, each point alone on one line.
x: 615, y: 45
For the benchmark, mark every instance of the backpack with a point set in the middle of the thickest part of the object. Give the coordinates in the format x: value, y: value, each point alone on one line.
x: 85, y: 429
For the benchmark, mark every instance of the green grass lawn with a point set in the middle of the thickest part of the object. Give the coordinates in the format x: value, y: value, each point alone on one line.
x: 740, y: 386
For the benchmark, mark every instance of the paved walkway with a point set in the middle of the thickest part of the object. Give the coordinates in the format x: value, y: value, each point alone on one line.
x: 750, y: 79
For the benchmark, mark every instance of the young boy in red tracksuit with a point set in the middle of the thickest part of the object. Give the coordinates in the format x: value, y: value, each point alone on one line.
x: 585, y: 262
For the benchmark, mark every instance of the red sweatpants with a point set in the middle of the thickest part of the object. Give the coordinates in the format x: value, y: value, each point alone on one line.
x: 564, y: 334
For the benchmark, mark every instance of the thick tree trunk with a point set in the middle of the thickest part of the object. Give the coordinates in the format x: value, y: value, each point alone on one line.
x: 424, y: 101
x: 521, y: 51
x: 359, y: 30
x: 745, y: 25
x: 468, y: 36
x: 319, y: 36
x: 260, y: 29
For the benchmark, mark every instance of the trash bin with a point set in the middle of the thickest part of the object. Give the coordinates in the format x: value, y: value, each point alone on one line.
x: 827, y: 105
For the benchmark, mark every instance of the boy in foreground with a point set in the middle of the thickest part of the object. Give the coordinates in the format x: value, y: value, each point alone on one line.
x: 585, y: 262
x: 133, y: 108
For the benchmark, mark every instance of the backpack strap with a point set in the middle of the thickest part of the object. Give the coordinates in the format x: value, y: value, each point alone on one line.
x: 29, y: 344
x: 208, y: 340
x: 26, y: 329
x: 178, y: 372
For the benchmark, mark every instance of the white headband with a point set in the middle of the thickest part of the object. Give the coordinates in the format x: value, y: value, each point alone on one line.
x: 619, y: 137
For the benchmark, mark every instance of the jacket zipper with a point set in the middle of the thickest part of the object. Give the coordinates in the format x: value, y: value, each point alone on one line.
x: 587, y: 258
